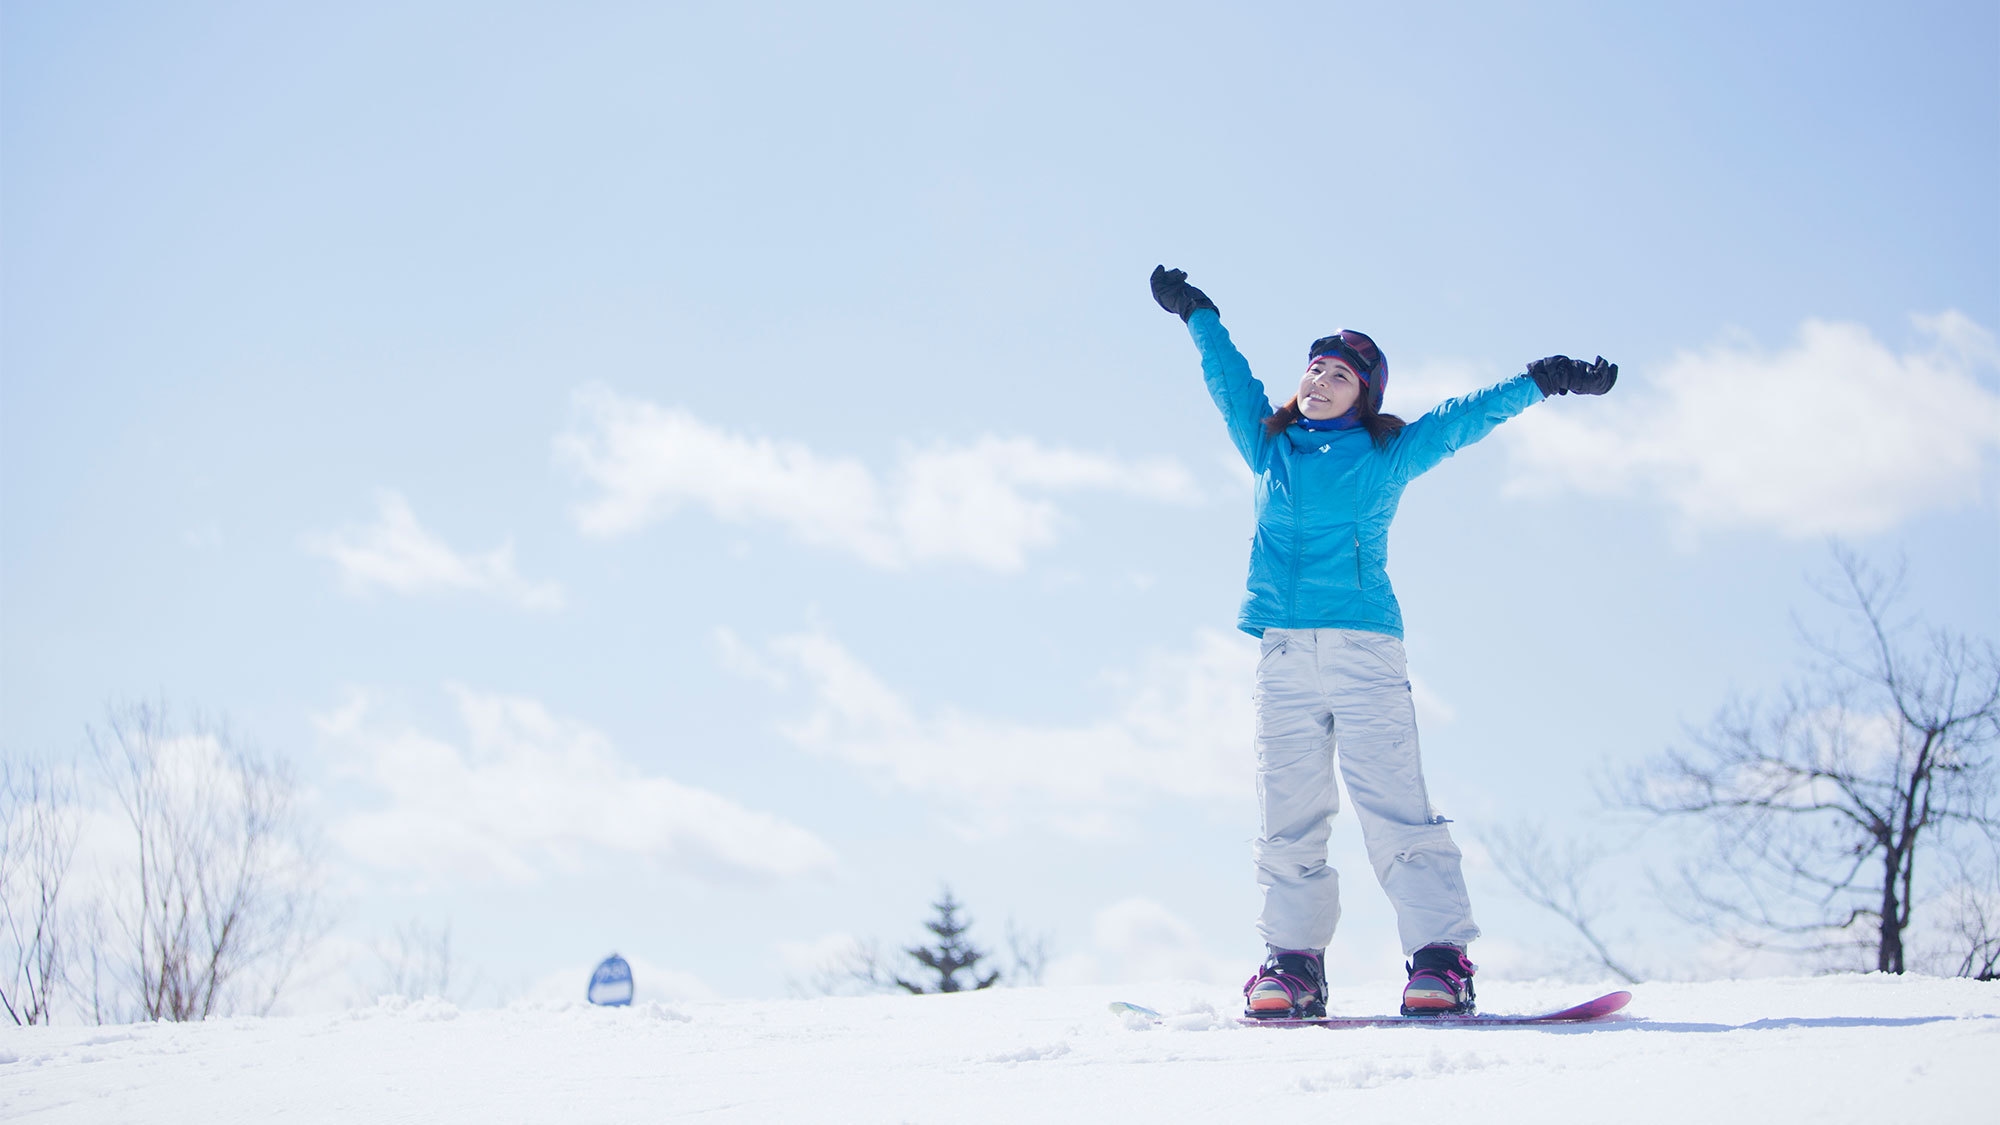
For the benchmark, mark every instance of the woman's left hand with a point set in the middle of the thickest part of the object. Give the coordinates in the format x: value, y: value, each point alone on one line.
x: 1561, y: 375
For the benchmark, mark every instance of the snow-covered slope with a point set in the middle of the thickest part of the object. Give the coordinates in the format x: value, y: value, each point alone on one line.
x: 1826, y: 1049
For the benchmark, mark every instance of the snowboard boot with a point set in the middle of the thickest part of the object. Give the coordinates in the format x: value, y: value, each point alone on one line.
x: 1440, y: 982
x: 1291, y: 985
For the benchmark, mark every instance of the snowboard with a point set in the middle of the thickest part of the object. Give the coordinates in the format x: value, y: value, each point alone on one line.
x: 1580, y: 1013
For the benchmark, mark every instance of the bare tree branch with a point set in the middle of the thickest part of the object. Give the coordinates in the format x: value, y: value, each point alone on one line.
x: 417, y: 962
x: 1972, y: 917
x: 39, y: 818
x: 224, y: 897
x: 1027, y: 954
x: 1557, y: 882
x: 858, y: 967
x: 1817, y: 807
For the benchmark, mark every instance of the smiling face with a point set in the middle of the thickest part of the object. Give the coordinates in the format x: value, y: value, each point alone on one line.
x: 1329, y: 389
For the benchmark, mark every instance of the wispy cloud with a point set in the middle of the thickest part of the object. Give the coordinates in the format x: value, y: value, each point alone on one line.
x: 1180, y: 724
x: 1835, y: 434
x: 528, y: 794
x: 397, y: 553
x: 1421, y: 385
x: 1139, y: 940
x: 988, y: 503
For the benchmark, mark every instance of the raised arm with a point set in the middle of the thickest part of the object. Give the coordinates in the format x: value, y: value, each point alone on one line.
x: 1236, y: 392
x: 1457, y: 423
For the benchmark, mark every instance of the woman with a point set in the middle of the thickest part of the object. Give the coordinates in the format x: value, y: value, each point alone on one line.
x: 1331, y: 468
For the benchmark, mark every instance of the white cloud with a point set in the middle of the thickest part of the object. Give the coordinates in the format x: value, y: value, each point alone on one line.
x: 1432, y: 708
x: 191, y: 767
x: 1425, y: 384
x: 1835, y: 434
x: 1181, y: 725
x: 835, y: 964
x: 801, y: 958
x: 740, y: 658
x: 1236, y: 472
x: 987, y: 503
x: 1139, y: 940
x: 530, y: 793
x: 396, y: 553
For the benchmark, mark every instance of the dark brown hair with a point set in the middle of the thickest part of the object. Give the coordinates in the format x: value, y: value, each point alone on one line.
x: 1380, y: 427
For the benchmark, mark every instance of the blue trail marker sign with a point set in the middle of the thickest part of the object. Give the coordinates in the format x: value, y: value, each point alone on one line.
x: 611, y: 983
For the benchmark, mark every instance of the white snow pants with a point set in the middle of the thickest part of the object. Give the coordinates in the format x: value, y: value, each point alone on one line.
x: 1322, y: 688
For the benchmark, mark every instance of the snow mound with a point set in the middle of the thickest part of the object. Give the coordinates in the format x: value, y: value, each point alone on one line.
x: 1852, y: 1048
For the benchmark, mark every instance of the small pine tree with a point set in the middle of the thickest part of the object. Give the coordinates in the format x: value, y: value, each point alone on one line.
x: 951, y: 956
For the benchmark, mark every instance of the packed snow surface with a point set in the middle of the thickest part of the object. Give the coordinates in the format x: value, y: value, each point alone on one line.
x: 1826, y: 1049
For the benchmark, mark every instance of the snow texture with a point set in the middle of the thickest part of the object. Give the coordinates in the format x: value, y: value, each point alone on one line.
x: 1827, y: 1049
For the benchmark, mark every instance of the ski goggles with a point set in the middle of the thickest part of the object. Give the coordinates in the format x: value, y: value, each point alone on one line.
x: 1353, y: 348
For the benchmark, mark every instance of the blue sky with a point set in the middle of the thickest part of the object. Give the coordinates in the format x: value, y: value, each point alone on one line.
x: 690, y: 480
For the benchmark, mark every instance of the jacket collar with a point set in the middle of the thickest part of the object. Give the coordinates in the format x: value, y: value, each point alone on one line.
x: 1312, y: 441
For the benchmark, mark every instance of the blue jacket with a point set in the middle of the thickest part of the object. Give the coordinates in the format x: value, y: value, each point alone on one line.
x: 1325, y: 498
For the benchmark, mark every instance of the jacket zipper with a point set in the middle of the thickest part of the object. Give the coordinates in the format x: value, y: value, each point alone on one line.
x: 1298, y: 545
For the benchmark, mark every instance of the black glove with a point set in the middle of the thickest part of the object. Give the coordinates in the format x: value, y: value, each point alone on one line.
x: 1171, y: 290
x: 1561, y: 375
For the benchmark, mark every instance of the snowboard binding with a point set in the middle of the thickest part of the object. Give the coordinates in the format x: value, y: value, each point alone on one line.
x: 1440, y: 982
x: 1291, y: 985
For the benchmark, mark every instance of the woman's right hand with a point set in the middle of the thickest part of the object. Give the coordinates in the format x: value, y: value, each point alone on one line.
x: 1171, y: 290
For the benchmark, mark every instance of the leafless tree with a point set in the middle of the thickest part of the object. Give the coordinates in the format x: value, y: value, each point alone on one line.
x: 1969, y: 917
x: 39, y: 818
x: 858, y: 967
x: 1558, y: 879
x: 222, y: 903
x: 95, y: 971
x: 1821, y: 811
x: 1027, y: 956
x: 417, y: 961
